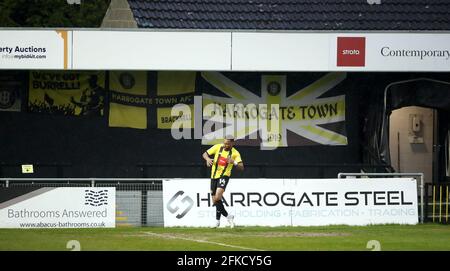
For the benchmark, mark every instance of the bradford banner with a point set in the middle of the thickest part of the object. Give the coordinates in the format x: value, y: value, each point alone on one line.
x: 67, y: 92
x: 61, y: 207
x: 275, y: 110
x: 293, y: 202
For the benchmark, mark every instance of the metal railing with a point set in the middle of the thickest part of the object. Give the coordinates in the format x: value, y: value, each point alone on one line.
x: 139, y: 201
x: 262, y: 170
x: 415, y: 175
x: 439, y: 202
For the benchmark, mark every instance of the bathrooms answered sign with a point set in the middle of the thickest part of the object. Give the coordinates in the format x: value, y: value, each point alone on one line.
x: 62, y: 207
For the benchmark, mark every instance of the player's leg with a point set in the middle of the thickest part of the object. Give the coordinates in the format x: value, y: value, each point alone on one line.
x: 213, y: 193
x: 221, y: 185
x: 218, y: 200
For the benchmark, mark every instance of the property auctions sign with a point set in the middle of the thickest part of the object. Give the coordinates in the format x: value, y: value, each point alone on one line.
x: 35, y: 49
x: 290, y: 202
x: 67, y: 207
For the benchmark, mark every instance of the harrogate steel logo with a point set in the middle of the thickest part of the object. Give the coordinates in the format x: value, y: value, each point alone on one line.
x: 186, y: 201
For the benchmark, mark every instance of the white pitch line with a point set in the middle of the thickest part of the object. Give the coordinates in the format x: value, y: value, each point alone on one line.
x: 199, y: 241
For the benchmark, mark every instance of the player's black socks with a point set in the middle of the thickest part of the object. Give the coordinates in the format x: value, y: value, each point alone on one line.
x: 221, y: 208
x: 218, y: 213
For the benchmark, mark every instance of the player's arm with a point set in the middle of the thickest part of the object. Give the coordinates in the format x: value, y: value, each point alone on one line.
x: 208, y: 159
x: 240, y: 166
x: 237, y: 161
x: 206, y: 155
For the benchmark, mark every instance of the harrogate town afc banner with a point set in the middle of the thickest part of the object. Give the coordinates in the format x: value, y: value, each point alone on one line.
x: 57, y: 207
x: 67, y: 92
x: 129, y: 99
x: 291, y: 202
x: 276, y: 110
x: 142, y: 100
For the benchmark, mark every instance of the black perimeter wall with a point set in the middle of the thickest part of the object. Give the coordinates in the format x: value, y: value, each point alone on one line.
x: 62, y: 146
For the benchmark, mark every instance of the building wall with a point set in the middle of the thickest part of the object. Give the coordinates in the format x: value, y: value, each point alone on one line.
x: 409, y: 153
x: 91, y: 149
x: 87, y: 147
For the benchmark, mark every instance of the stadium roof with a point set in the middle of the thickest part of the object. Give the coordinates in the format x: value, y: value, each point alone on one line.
x: 293, y: 14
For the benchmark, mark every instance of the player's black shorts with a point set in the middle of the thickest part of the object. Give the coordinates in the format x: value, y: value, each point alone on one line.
x: 219, y: 183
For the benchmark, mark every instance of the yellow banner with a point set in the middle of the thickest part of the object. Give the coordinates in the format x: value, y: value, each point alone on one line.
x: 174, y: 88
x: 128, y: 99
x: 67, y: 92
x: 272, y: 116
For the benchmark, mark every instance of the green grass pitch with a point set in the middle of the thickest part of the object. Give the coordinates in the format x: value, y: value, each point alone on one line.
x: 327, y: 238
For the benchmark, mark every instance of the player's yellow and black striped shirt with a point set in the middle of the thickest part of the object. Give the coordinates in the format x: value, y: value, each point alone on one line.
x: 221, y: 162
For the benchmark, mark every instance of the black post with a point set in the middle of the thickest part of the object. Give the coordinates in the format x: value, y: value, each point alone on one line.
x: 144, y: 171
x: 144, y: 207
x: 59, y: 171
x: 425, y: 217
x: 204, y: 172
x: 321, y: 171
x: 262, y: 170
x: 446, y: 203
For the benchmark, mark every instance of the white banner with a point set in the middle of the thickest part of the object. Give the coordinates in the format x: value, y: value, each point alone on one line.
x: 223, y: 50
x: 280, y: 51
x: 135, y: 50
x: 35, y: 49
x: 289, y: 202
x: 63, y: 207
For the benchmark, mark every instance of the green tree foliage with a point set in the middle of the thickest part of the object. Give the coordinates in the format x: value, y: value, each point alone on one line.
x: 52, y: 13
